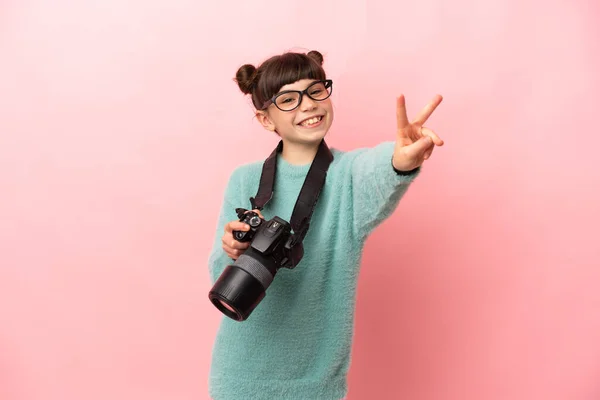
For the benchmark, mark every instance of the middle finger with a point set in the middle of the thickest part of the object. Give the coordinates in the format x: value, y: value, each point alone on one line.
x: 426, y: 112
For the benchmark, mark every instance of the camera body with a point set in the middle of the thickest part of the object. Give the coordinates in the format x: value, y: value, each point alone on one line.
x: 243, y: 284
x: 271, y: 238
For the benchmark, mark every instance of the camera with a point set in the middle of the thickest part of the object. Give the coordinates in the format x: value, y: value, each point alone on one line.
x: 243, y: 284
x: 274, y: 243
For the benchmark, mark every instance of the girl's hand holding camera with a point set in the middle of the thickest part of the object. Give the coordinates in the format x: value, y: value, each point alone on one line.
x: 231, y: 246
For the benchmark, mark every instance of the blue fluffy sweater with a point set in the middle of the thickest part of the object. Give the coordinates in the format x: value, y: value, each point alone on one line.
x: 296, y: 344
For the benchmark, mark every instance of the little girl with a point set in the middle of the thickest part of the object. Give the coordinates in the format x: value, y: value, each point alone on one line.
x: 296, y: 345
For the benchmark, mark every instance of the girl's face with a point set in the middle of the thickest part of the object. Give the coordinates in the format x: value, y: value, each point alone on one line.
x: 307, y: 124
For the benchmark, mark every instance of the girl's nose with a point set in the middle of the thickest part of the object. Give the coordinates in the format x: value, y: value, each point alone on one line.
x: 307, y: 103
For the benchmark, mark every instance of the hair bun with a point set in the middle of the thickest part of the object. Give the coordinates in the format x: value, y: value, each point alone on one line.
x: 246, y: 78
x: 315, y: 55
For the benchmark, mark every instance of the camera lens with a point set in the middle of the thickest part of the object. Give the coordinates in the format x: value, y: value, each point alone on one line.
x: 226, y: 306
x: 241, y: 286
x: 236, y: 293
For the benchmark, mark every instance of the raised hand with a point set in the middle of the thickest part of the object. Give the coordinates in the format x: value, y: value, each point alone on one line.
x: 414, y: 142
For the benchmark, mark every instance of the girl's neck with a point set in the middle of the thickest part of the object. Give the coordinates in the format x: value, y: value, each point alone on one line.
x: 299, y: 154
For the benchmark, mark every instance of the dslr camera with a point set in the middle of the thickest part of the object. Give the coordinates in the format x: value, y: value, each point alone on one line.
x: 243, y: 284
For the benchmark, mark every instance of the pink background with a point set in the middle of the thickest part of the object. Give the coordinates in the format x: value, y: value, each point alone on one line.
x: 119, y: 125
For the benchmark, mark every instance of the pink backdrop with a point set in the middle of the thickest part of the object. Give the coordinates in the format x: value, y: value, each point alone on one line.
x: 119, y: 124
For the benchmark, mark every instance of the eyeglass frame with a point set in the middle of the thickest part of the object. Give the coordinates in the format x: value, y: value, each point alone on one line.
x: 328, y: 84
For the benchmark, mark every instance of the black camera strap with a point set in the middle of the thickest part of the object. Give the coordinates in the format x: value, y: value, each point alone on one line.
x: 309, y: 194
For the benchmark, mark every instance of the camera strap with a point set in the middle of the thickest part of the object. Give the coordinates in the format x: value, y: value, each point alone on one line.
x: 309, y: 194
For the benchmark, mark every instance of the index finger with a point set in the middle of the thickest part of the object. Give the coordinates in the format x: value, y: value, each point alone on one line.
x: 235, y: 226
x: 426, y: 112
x: 401, y: 117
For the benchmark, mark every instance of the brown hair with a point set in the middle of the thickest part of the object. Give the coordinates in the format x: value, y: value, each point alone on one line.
x: 264, y: 82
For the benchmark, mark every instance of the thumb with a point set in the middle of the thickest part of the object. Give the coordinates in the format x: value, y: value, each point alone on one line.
x: 417, y: 149
x: 259, y: 213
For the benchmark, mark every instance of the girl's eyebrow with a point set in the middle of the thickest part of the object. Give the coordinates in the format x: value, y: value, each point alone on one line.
x: 298, y: 90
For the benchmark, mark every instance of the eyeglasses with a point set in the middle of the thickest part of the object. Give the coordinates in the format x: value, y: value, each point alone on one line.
x: 291, y: 99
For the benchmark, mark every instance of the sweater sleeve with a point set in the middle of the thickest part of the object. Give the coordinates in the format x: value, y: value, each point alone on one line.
x: 376, y: 187
x: 218, y: 259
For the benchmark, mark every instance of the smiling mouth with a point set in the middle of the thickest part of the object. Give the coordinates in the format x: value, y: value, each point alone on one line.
x: 307, y: 123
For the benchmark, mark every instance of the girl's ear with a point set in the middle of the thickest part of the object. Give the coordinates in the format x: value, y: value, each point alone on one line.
x: 265, y: 121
